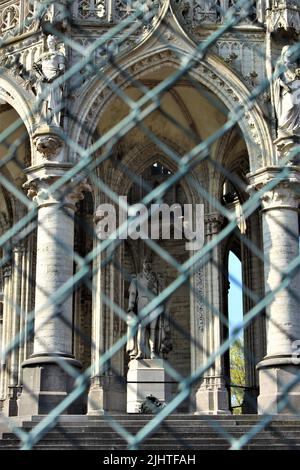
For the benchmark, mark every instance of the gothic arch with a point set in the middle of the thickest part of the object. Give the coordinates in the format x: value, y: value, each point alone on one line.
x: 210, y: 73
x: 138, y: 165
x: 12, y: 91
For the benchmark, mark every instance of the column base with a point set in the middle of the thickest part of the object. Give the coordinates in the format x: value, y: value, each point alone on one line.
x: 249, y: 405
x: 46, y: 384
x: 10, y: 404
x: 274, y: 375
x: 146, y: 377
x: 212, y: 398
x: 106, y: 393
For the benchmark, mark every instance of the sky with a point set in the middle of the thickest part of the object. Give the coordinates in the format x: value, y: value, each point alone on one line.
x: 235, y: 300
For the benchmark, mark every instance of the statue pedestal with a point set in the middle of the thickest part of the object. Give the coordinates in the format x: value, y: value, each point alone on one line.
x: 146, y: 377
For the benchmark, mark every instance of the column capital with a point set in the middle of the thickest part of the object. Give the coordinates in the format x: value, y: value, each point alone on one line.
x: 213, y: 223
x: 7, y: 270
x: 284, y: 194
x: 40, y: 189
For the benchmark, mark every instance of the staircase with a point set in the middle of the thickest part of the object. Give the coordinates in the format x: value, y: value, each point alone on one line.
x: 178, y: 432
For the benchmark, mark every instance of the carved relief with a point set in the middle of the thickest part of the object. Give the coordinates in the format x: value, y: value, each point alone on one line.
x: 199, y: 295
x: 9, y: 18
x: 284, y: 15
x: 242, y: 54
x: 16, y: 18
x: 48, y: 145
x: 216, y: 11
x: 92, y: 9
x: 281, y: 196
x: 40, y: 191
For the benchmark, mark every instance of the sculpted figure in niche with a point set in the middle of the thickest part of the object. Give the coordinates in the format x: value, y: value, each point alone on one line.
x: 287, y: 95
x: 48, y: 68
x: 153, y: 336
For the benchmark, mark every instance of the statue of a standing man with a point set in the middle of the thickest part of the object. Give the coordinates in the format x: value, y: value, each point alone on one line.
x: 48, y: 68
x: 153, y: 335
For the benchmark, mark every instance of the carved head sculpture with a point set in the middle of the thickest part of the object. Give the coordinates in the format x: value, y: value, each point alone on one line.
x: 51, y: 42
x: 288, y: 56
x: 147, y: 265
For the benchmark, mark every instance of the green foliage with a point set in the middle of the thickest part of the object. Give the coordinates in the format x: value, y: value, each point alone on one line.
x: 237, y: 369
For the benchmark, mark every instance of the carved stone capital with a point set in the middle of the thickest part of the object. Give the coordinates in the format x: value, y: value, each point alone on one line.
x: 282, y: 196
x: 213, y: 223
x: 4, y: 222
x: 42, y: 192
x: 282, y: 187
x: 7, y: 270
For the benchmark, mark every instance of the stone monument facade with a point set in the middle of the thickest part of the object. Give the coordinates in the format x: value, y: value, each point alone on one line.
x: 52, y: 91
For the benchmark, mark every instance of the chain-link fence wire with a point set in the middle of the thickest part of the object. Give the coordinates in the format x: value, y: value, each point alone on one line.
x: 90, y: 164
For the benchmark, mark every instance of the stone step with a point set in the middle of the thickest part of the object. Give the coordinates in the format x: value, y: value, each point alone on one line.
x: 208, y: 446
x: 173, y: 423
x: 184, y: 434
x: 167, y: 429
x: 168, y: 440
x: 177, y: 432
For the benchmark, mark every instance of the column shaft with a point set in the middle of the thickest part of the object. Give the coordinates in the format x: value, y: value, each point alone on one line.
x: 54, y: 267
x: 45, y: 381
x: 281, y: 247
x: 212, y: 396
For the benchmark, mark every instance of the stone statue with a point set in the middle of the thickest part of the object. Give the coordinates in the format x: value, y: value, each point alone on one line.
x: 48, y: 68
x: 287, y: 96
x: 153, y: 336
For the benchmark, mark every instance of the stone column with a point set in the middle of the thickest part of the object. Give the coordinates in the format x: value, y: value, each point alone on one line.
x: 10, y: 405
x: 7, y: 270
x: 281, y: 247
x: 255, y: 332
x: 212, y: 396
x: 45, y: 382
x: 107, y: 392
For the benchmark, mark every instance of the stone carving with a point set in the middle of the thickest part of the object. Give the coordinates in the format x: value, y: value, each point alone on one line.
x: 13, y: 63
x: 41, y: 192
x: 199, y: 294
x: 50, y: 66
x: 197, y: 12
x: 4, y: 222
x: 285, y: 15
x: 287, y: 96
x: 92, y: 9
x: 16, y: 18
x: 48, y: 145
x: 9, y: 18
x: 206, y: 11
x: 152, y: 339
x: 282, y: 196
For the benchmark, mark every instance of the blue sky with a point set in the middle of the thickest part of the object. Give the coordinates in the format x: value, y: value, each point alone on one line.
x: 235, y: 300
